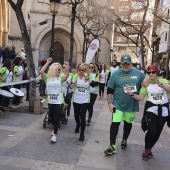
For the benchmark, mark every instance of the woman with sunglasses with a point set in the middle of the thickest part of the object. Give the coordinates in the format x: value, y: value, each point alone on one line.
x: 55, y: 98
x: 81, y: 97
x: 102, y: 80
x: 156, y: 110
x: 93, y: 90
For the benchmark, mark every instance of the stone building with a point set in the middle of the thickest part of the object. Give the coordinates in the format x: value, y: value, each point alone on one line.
x: 40, y: 35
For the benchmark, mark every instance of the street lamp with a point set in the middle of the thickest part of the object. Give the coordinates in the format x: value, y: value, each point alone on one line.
x: 154, y: 38
x: 87, y: 40
x: 54, y: 6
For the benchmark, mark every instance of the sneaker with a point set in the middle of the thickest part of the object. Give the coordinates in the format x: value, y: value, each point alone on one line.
x: 54, y: 138
x: 146, y: 154
x: 111, y: 150
x: 150, y: 155
x: 81, y: 139
x: 77, y: 129
x: 88, y: 122
x: 100, y: 97
x: 124, y: 144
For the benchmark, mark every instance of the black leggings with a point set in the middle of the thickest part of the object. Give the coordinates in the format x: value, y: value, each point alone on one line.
x: 68, y: 101
x: 154, y: 130
x: 114, y: 131
x: 54, y: 113
x: 101, y: 88
x: 80, y: 115
x: 92, y: 101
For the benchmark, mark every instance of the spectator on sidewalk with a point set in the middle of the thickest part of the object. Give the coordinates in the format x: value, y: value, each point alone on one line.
x: 1, y: 54
x: 123, y: 106
x: 156, y: 110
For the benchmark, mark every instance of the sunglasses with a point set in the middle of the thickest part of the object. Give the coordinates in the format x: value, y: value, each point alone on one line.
x: 91, y: 67
x: 149, y: 72
x: 125, y: 64
x: 81, y: 70
x: 59, y: 69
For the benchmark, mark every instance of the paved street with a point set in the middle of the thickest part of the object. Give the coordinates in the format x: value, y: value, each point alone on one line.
x: 25, y: 144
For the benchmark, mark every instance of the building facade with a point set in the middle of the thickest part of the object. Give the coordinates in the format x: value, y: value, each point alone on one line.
x: 40, y: 35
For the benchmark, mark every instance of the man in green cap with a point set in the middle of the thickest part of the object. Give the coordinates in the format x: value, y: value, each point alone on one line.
x: 123, y: 106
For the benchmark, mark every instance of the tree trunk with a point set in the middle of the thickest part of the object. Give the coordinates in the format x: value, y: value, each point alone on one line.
x: 84, y: 51
x: 29, y: 58
x: 72, y: 34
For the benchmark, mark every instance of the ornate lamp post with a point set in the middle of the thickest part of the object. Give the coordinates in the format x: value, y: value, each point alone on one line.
x: 54, y: 6
x: 154, y: 38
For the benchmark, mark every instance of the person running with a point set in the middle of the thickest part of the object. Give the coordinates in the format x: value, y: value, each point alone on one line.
x: 113, y: 68
x: 156, y: 108
x: 93, y: 91
x: 107, y: 75
x: 55, y: 97
x: 102, y: 80
x: 81, y: 97
x: 123, y: 106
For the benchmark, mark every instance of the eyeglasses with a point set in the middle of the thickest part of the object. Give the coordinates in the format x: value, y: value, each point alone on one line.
x: 81, y: 70
x: 149, y: 72
x: 91, y: 67
x: 125, y: 64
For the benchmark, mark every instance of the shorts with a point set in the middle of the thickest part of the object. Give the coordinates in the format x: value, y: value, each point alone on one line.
x: 118, y: 116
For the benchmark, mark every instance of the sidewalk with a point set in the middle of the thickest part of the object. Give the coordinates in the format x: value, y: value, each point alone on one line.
x: 25, y: 144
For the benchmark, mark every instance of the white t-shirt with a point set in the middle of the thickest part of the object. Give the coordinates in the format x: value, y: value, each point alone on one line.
x: 54, y: 86
x: 157, y: 95
x: 20, y: 70
x: 103, y: 77
x: 93, y: 89
x: 82, y: 91
x: 112, y: 69
x: 9, y: 76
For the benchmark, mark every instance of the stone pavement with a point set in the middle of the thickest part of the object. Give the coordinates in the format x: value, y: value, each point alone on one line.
x: 25, y: 144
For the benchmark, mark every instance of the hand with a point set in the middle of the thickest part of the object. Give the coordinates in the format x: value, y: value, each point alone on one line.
x: 128, y: 91
x: 111, y: 106
x: 49, y: 60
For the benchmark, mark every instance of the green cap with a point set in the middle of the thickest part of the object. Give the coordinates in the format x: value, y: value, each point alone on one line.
x: 125, y: 59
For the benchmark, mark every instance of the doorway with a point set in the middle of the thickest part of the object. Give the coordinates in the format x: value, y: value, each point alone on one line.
x: 58, y: 55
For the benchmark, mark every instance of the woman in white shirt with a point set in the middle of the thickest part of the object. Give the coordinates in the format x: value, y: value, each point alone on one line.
x: 81, y: 97
x: 55, y: 98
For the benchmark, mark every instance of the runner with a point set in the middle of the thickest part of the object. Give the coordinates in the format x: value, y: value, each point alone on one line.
x: 156, y: 108
x: 55, y: 97
x: 113, y: 68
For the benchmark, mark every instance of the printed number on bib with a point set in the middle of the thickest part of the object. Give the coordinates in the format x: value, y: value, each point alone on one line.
x: 157, y: 97
x: 131, y: 86
x: 81, y: 91
x: 53, y: 97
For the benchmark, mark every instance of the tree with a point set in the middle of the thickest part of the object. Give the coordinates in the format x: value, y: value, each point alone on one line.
x: 135, y: 26
x: 17, y: 7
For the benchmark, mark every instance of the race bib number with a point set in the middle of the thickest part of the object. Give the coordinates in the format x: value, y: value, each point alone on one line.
x: 53, y: 97
x: 157, y: 97
x: 81, y: 91
x: 131, y: 86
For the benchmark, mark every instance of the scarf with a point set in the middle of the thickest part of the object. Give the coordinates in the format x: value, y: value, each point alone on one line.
x: 154, y: 81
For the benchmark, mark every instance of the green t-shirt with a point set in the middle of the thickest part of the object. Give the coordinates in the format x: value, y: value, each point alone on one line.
x: 3, y: 73
x: 118, y: 81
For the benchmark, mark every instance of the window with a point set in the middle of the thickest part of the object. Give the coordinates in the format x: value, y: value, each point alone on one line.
x: 122, y: 48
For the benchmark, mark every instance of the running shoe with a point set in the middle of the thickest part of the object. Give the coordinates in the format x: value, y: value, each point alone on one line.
x: 111, y: 150
x: 54, y: 138
x: 146, y: 154
x: 100, y: 97
x: 81, y: 139
x: 124, y: 144
x: 2, y: 109
x: 88, y: 122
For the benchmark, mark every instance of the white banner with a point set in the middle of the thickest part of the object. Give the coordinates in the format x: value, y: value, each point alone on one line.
x: 92, y: 49
x: 139, y: 55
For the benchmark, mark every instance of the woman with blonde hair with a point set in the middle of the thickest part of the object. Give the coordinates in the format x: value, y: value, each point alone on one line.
x: 81, y: 97
x: 55, y: 97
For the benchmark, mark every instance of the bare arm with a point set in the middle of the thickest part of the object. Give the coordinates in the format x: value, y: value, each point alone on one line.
x: 42, y: 71
x: 166, y: 87
x: 139, y: 97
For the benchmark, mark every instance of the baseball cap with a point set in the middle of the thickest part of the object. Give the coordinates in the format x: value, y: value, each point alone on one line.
x: 125, y: 59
